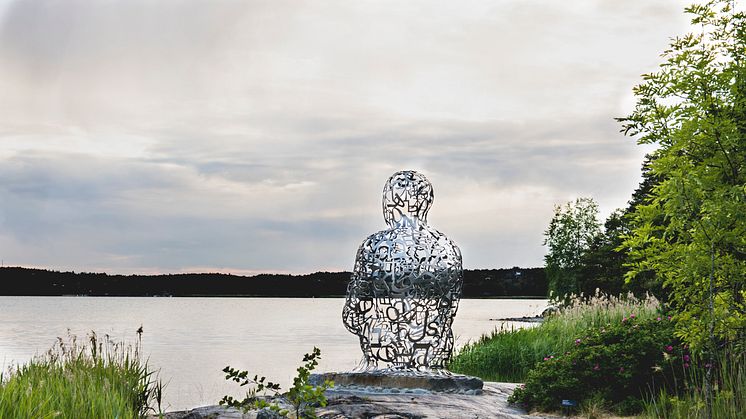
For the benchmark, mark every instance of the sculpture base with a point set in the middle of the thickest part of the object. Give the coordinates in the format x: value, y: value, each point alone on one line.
x: 399, y: 382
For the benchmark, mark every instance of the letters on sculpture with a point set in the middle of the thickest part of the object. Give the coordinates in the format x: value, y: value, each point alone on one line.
x: 406, y: 285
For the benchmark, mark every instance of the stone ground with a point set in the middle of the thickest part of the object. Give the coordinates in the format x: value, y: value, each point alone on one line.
x: 492, y: 403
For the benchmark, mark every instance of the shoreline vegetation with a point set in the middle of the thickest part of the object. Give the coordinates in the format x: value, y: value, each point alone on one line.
x: 508, y: 354
x: 96, y: 378
x: 604, y: 355
x: 19, y: 281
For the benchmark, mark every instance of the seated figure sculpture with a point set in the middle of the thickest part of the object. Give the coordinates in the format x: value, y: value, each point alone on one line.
x: 406, y: 285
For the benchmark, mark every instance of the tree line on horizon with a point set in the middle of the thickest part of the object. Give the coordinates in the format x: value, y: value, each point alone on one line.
x: 17, y: 281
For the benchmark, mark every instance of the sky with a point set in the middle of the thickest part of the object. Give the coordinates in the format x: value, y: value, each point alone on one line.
x: 166, y: 136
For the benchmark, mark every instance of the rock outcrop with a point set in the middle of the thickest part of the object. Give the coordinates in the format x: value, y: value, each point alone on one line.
x: 491, y: 403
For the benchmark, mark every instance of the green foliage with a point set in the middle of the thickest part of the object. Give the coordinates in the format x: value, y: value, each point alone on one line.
x: 691, y: 231
x: 571, y: 231
x: 641, y: 280
x: 101, y: 379
x: 509, y: 354
x: 303, y: 396
x: 602, y: 265
x: 617, y: 363
x: 689, y: 401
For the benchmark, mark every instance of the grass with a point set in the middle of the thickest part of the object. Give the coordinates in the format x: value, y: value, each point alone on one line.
x: 729, y: 391
x: 508, y: 354
x: 96, y: 379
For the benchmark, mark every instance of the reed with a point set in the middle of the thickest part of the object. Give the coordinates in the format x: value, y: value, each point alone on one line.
x: 688, y: 400
x: 507, y: 354
x: 95, y: 379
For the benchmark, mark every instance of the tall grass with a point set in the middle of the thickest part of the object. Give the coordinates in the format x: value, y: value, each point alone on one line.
x: 508, y: 354
x: 689, y: 398
x: 96, y: 379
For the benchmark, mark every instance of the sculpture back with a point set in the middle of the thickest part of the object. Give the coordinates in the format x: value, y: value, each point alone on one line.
x: 406, y: 284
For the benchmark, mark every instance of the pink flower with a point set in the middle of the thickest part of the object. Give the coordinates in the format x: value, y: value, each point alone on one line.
x: 686, y: 358
x: 624, y: 320
x: 546, y: 359
x: 669, y: 348
x: 669, y: 317
x: 659, y: 319
x: 631, y: 316
x: 577, y: 341
x: 708, y: 366
x: 686, y: 365
x: 596, y: 367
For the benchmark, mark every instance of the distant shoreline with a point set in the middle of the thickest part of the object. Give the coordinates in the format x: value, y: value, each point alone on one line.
x: 498, y: 297
x: 18, y: 281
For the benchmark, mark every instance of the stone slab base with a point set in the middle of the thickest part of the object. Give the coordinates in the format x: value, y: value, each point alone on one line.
x: 398, y: 382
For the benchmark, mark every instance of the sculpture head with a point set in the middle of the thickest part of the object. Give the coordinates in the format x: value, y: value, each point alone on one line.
x: 407, y: 197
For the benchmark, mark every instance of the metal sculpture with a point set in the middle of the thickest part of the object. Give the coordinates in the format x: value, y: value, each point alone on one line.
x: 406, y: 285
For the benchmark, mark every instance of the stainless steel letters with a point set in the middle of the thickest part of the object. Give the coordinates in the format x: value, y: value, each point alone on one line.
x: 406, y: 285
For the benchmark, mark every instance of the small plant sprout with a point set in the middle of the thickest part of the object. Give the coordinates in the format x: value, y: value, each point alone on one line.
x: 303, y: 396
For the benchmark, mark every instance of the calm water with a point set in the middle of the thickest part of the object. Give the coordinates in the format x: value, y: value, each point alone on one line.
x: 191, y: 339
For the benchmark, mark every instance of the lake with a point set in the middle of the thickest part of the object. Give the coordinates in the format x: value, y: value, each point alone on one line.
x: 192, y: 339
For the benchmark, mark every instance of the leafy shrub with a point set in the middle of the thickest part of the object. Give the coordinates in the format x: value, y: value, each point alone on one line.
x: 302, y: 396
x: 619, y: 363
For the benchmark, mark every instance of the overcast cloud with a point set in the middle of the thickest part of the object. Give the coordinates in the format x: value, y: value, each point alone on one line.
x: 248, y: 136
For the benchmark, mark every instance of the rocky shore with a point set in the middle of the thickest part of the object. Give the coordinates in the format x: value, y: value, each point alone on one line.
x: 491, y: 403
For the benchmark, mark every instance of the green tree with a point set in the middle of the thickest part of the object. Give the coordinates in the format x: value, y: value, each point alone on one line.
x: 691, y: 230
x: 572, y: 230
x: 642, y: 280
x: 602, y: 265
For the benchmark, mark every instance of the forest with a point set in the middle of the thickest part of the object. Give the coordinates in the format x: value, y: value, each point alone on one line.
x: 479, y: 283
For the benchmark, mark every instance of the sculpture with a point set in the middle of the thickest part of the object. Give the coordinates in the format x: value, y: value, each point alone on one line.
x: 406, y: 285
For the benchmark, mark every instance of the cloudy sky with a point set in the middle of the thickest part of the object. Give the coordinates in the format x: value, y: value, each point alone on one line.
x: 245, y: 136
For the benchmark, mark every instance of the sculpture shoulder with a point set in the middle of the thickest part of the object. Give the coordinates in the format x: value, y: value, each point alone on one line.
x: 445, y: 242
x: 427, y: 237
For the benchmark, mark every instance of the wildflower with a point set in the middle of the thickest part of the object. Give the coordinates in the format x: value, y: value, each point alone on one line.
x: 631, y: 316
x: 659, y: 319
x: 686, y: 365
x: 577, y: 341
x: 546, y: 358
x: 668, y: 317
x: 596, y: 367
x: 686, y: 358
x: 624, y: 320
x: 669, y: 348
